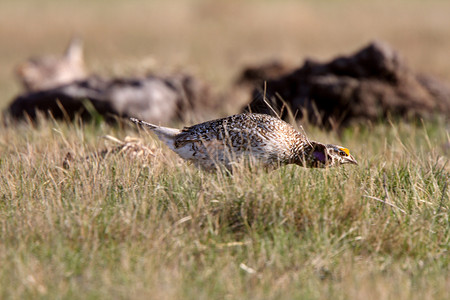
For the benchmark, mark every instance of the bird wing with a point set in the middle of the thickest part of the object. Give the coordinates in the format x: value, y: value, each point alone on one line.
x: 182, y: 142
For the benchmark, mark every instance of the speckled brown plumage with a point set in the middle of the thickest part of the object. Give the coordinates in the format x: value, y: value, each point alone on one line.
x: 260, y: 138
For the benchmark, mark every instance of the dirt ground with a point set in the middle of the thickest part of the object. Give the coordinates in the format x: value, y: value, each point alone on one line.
x: 215, y: 39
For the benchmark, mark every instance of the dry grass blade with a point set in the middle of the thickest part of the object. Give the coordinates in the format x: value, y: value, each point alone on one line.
x: 267, y: 102
x: 385, y: 202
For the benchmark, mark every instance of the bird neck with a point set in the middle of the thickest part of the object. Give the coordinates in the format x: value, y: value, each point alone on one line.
x: 311, y: 155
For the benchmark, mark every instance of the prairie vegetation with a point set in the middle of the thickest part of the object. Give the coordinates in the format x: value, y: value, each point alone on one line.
x: 157, y: 228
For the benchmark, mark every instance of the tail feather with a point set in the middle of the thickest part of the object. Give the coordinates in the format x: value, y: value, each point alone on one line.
x: 140, y: 122
x: 165, y: 134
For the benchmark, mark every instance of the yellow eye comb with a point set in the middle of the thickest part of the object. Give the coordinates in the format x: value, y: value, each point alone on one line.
x: 345, y: 150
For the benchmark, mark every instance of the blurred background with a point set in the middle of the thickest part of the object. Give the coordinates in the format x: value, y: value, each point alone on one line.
x: 215, y: 39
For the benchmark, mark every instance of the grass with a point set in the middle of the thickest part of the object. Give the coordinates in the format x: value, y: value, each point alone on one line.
x: 158, y: 228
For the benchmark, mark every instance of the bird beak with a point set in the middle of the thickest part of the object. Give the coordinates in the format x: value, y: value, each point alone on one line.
x: 351, y: 160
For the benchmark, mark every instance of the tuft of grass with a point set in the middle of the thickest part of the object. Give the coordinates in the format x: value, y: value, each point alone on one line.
x: 156, y: 227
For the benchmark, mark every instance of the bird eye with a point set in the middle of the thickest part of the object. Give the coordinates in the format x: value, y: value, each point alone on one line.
x: 342, y: 153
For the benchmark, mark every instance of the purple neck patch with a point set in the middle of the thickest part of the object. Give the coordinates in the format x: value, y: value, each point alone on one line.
x: 319, y: 155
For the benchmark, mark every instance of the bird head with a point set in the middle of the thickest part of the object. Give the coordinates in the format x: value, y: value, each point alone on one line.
x: 320, y: 155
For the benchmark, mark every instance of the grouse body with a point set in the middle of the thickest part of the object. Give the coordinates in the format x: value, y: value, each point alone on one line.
x: 258, y: 137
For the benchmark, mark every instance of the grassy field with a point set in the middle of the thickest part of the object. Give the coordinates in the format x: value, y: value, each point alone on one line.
x: 157, y: 228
